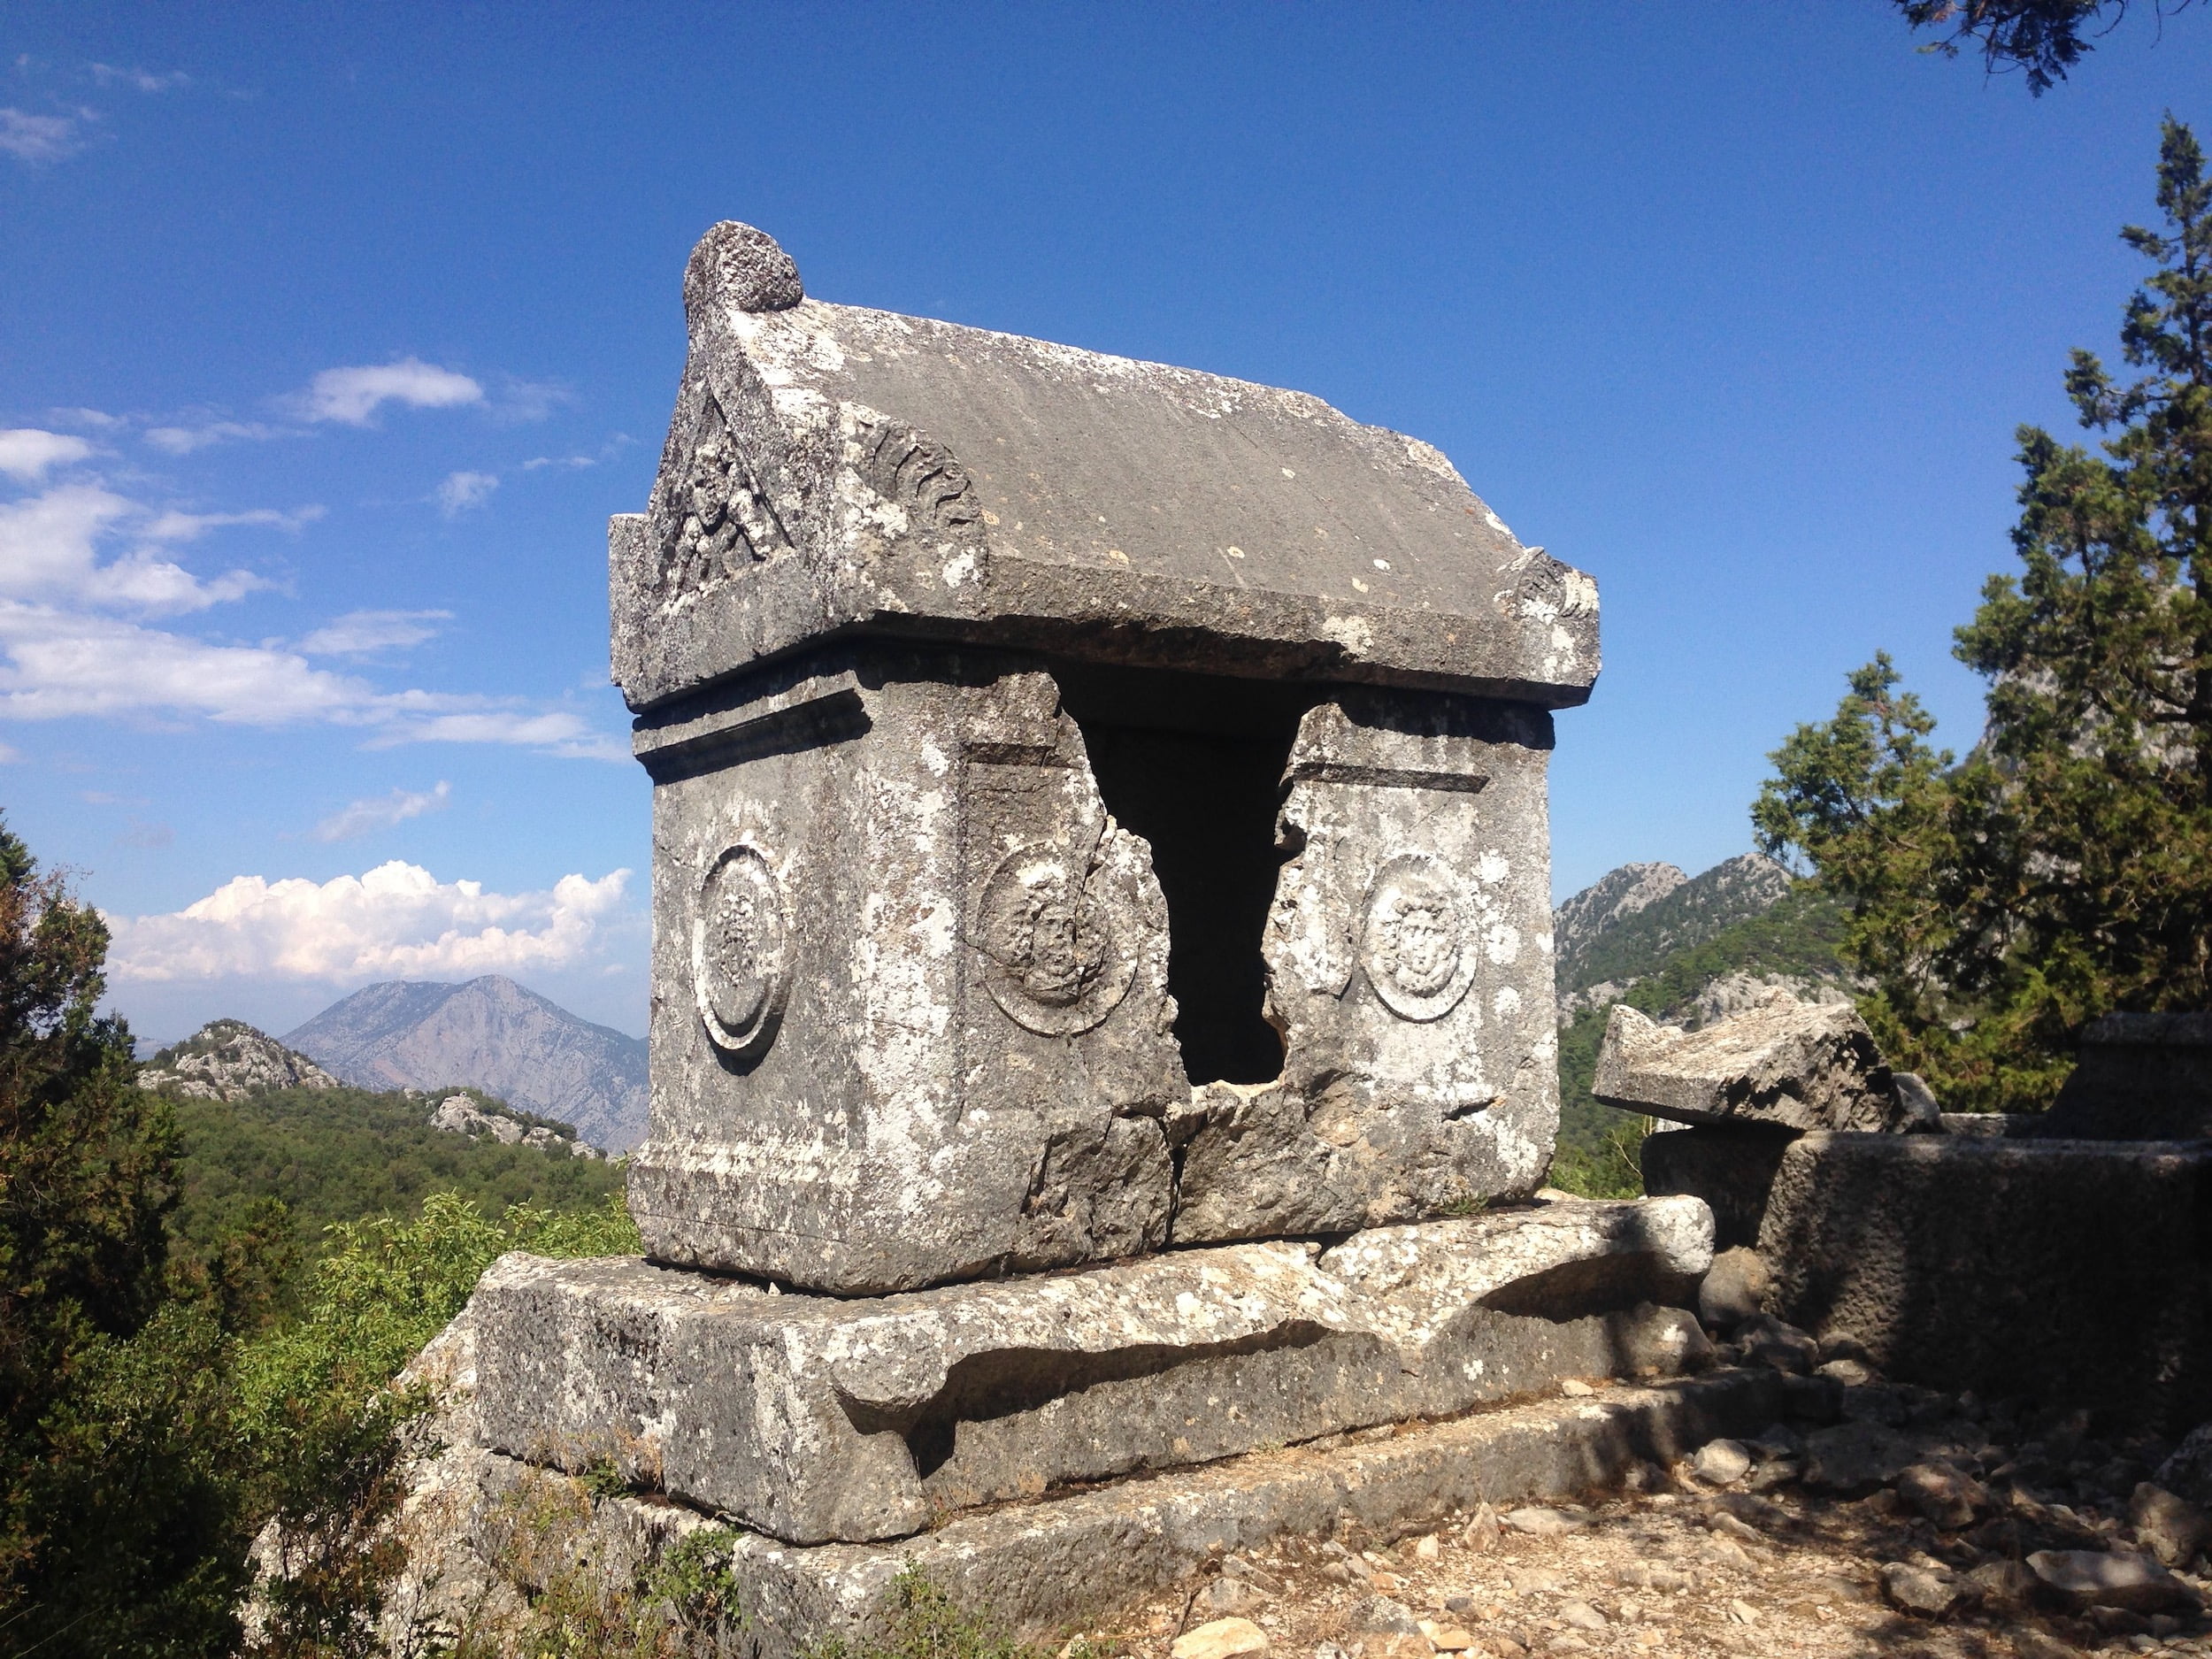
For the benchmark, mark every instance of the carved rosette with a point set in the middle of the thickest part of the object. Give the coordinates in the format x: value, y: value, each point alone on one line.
x: 1415, y: 946
x: 1054, y: 954
x: 740, y: 951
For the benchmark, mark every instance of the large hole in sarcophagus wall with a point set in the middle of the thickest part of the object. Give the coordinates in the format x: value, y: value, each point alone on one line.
x: 1195, y: 765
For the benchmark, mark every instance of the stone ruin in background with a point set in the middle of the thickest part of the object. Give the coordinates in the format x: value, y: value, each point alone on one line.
x: 1103, y: 1018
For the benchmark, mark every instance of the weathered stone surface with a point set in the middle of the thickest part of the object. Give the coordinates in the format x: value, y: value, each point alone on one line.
x: 1722, y: 1463
x: 2173, y: 1529
x: 1949, y: 1497
x: 831, y: 468
x: 1853, y: 1458
x: 2187, y: 1471
x: 1222, y: 1638
x: 2072, y: 1269
x: 1409, y: 970
x: 2140, y: 1077
x: 812, y: 1418
x: 910, y: 1017
x: 1798, y: 1066
x: 1734, y: 1288
x: 1047, y: 1566
x: 940, y: 945
x: 2091, y: 1578
x: 1917, y: 1590
x: 1728, y: 1165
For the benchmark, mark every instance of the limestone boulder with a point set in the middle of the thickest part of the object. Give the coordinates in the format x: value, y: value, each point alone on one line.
x: 1796, y: 1065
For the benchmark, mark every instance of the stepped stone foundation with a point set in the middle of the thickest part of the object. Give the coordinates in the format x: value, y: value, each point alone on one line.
x: 1103, y: 1018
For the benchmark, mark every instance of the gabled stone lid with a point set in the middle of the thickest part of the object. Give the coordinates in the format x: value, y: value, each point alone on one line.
x: 832, y: 470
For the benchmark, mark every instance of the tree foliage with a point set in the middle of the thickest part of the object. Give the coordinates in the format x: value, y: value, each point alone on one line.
x: 2043, y: 39
x: 2063, y: 868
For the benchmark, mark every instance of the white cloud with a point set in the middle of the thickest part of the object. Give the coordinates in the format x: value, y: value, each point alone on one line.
x: 65, y: 654
x: 191, y: 526
x: 521, y: 401
x: 462, y: 491
x: 184, y: 440
x: 9, y: 756
x: 395, y: 921
x: 354, y: 395
x: 358, y: 817
x: 99, y: 420
x: 26, y: 452
x: 360, y: 631
x: 535, y: 462
x: 35, y: 138
x: 140, y: 80
x: 49, y: 551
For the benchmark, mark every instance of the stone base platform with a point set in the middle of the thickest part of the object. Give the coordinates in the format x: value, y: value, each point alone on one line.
x: 819, y: 1419
x: 1048, y: 1567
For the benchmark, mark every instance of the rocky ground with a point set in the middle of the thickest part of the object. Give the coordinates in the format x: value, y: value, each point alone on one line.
x: 1880, y: 1520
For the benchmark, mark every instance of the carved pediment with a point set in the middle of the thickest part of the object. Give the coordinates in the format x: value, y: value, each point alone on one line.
x: 718, y: 521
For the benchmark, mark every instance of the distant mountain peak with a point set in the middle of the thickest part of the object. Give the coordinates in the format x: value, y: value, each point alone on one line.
x: 228, y: 1060
x: 1626, y: 922
x: 489, y: 1034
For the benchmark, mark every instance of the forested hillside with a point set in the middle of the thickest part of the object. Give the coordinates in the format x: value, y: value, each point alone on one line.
x: 1699, y: 949
x: 338, y: 1154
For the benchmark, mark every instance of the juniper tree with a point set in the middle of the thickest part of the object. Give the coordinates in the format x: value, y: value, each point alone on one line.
x: 2064, y: 868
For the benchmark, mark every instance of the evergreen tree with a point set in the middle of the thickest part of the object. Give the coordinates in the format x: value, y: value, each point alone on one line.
x: 2064, y: 868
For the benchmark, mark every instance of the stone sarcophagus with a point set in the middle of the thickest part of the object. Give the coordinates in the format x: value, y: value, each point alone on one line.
x: 1098, y: 806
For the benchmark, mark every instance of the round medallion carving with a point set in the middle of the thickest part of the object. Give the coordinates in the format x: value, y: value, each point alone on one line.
x: 740, y: 950
x: 1416, y: 948
x: 1053, y: 954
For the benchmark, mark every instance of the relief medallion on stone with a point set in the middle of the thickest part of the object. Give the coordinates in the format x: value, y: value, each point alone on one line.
x: 1415, y: 947
x: 740, y: 951
x: 1054, y: 957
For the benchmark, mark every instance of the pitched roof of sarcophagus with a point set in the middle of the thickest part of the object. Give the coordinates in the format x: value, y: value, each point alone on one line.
x: 833, y: 471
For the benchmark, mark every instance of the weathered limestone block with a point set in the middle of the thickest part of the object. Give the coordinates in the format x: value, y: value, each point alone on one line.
x: 2142, y: 1076
x: 1048, y: 1566
x: 1409, y: 972
x: 1730, y: 1166
x: 2069, y: 1271
x: 1800, y: 1065
x: 811, y: 1419
x: 910, y: 1019
x: 832, y: 468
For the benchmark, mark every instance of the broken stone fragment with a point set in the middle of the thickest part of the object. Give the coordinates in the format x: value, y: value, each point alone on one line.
x: 1797, y: 1066
x: 1949, y: 1497
x: 1853, y: 1458
x: 1721, y: 1463
x: 2091, y: 1579
x: 2169, y: 1527
x: 1222, y: 1639
x: 1734, y: 1289
x: 1917, y: 1590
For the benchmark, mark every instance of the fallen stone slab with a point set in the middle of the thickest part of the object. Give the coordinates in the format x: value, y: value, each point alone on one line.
x: 1796, y: 1065
x: 812, y: 1418
x: 1045, y: 1566
x: 2069, y: 1271
x: 2095, y: 1577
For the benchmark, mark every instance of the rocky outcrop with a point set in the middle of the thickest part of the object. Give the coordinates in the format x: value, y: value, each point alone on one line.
x: 1610, y: 900
x: 493, y: 1034
x: 227, y: 1059
x: 459, y: 1115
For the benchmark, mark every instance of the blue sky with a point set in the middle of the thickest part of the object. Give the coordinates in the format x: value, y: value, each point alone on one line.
x: 345, y: 329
